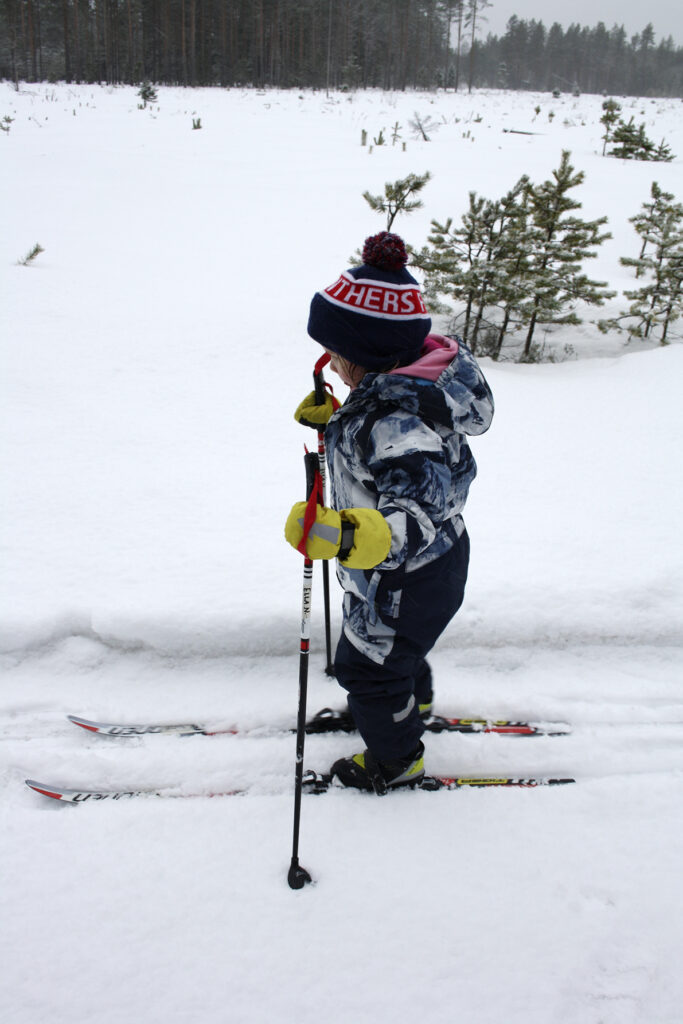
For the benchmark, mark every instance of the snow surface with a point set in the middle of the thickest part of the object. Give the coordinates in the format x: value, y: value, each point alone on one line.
x: 152, y: 358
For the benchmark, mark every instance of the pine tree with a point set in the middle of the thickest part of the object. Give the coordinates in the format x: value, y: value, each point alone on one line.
x: 500, y: 272
x: 147, y: 93
x: 559, y: 243
x: 610, y: 118
x: 397, y: 196
x: 658, y: 303
x: 446, y: 263
x: 513, y: 267
x: 633, y: 144
x: 480, y: 263
x: 657, y: 222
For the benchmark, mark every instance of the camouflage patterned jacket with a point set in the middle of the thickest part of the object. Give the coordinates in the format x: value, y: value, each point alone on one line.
x: 398, y: 444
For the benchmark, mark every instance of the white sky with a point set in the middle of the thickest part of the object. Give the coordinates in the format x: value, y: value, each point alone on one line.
x: 665, y: 15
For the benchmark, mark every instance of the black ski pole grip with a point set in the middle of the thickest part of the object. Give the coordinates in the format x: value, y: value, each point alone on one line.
x: 319, y: 385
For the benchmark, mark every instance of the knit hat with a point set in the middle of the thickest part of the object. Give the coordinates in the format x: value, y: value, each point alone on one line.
x: 373, y: 315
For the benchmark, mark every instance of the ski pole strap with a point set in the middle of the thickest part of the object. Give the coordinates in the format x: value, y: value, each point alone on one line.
x: 348, y: 538
x: 320, y: 384
x: 314, y: 496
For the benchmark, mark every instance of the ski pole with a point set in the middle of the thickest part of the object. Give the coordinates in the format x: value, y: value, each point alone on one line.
x: 319, y: 385
x: 297, y: 876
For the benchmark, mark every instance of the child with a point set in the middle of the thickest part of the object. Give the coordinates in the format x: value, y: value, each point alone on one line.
x: 400, y: 469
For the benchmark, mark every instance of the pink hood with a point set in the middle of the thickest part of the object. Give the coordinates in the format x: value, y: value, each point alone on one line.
x: 438, y: 352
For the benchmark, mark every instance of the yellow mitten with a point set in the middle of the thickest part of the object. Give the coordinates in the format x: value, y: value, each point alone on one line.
x: 359, y: 536
x: 371, y: 538
x: 324, y: 538
x: 313, y: 415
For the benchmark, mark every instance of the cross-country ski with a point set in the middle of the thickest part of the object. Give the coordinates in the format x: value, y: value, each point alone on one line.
x: 313, y: 783
x: 326, y: 720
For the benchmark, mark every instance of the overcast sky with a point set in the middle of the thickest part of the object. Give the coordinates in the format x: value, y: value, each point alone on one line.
x: 665, y: 15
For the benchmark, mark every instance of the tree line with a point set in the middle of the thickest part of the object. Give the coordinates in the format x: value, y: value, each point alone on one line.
x: 594, y: 60
x: 281, y: 43
x: 386, y: 44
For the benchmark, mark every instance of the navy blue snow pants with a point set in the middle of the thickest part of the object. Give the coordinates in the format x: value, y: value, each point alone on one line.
x: 384, y: 698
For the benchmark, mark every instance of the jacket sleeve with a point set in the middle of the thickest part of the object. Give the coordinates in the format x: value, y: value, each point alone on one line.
x: 411, y: 469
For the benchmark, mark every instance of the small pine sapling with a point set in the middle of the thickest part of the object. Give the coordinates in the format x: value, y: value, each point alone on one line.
x: 147, y: 94
x: 398, y: 195
x: 632, y: 143
x: 663, y: 153
x: 559, y: 241
x: 422, y: 126
x: 658, y: 303
x: 480, y: 264
x: 31, y: 255
x: 609, y: 119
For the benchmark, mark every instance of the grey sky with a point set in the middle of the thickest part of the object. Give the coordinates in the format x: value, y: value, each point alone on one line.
x: 665, y: 15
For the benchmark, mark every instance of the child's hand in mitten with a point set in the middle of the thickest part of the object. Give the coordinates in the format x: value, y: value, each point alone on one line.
x: 313, y: 415
x: 359, y: 537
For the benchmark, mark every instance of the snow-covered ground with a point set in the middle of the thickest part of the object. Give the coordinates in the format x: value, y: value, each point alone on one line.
x: 152, y: 358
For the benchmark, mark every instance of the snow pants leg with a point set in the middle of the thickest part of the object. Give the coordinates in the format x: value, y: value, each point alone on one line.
x: 384, y: 696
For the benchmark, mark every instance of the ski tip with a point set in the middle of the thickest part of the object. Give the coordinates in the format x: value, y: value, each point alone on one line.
x: 83, y: 723
x: 43, y: 789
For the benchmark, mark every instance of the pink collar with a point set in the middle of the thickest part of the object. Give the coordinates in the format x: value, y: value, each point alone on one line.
x: 438, y: 352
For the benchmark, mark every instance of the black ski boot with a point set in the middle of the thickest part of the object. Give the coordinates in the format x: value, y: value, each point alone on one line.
x: 363, y: 771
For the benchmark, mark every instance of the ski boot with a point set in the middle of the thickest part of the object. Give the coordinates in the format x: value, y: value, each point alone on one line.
x: 363, y: 771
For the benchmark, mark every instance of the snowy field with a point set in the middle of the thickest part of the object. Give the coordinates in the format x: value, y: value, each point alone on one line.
x: 152, y: 357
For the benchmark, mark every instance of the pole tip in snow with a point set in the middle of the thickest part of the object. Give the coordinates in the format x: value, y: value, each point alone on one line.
x: 297, y: 877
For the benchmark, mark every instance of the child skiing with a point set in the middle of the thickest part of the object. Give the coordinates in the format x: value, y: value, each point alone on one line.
x: 400, y: 469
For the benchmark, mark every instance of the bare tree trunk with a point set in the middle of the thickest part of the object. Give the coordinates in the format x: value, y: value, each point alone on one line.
x: 31, y: 39
x: 193, y: 42
x: 530, y: 332
x: 669, y: 312
x: 183, y: 43
x: 501, y: 334
x: 470, y: 75
x: 67, y: 48
x: 458, y: 52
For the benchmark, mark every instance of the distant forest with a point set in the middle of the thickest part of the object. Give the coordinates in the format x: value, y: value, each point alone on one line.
x: 386, y: 44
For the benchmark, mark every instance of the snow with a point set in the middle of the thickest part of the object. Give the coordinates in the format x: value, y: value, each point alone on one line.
x: 152, y: 358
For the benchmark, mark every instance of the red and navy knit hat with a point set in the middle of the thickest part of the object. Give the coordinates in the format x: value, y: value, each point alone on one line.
x: 373, y: 315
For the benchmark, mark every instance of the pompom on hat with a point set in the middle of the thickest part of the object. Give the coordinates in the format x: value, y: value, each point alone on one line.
x: 373, y: 315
